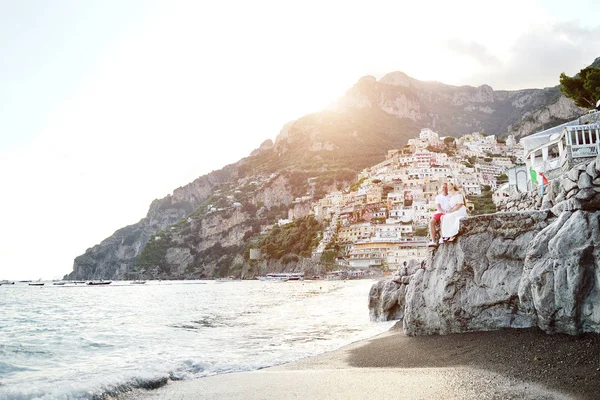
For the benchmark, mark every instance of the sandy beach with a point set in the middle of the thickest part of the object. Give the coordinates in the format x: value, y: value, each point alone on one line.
x: 504, y: 364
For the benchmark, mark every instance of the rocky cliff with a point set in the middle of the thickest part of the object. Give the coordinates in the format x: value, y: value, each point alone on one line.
x: 456, y: 110
x: 116, y: 256
x: 510, y: 269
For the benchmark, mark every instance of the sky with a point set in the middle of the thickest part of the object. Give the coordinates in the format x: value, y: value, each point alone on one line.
x: 107, y: 105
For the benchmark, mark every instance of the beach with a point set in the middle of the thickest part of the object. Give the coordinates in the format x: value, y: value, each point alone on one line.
x: 504, y: 364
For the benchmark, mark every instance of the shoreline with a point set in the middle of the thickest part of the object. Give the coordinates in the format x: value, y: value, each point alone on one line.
x: 508, y: 363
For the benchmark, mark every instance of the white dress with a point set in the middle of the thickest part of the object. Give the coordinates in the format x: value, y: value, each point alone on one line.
x: 450, y: 221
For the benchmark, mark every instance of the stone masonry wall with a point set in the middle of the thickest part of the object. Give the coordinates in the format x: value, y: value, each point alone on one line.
x: 581, y: 182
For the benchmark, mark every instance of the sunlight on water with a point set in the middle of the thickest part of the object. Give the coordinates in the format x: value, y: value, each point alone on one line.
x: 61, y: 342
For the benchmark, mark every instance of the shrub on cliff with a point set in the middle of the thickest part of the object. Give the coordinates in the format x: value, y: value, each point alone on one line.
x: 295, y: 238
x: 155, y: 251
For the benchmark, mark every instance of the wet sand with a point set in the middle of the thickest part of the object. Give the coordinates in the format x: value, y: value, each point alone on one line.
x: 505, y: 364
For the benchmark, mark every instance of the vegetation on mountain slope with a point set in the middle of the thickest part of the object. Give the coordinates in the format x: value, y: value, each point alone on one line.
x: 297, y: 238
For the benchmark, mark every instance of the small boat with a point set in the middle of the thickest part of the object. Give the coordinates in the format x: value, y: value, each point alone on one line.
x: 37, y: 284
x: 283, y: 277
x: 58, y: 283
x: 274, y: 278
x: 98, y: 283
x: 296, y: 276
x: 137, y: 282
x: 79, y: 282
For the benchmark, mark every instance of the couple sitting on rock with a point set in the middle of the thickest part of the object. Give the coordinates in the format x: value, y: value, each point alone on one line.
x: 451, y: 205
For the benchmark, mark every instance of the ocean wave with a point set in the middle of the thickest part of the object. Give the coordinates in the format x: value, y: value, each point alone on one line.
x: 101, y: 390
x: 7, y: 368
x: 204, y: 322
x: 7, y: 350
x: 79, y: 392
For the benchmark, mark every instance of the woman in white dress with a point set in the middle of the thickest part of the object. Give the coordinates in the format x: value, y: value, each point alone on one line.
x: 458, y: 210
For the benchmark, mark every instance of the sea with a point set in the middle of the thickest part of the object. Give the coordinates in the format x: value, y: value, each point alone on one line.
x: 92, y: 342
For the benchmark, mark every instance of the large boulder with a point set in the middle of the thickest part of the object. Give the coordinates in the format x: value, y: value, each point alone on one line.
x: 473, y: 283
x: 561, y: 276
x: 386, y: 297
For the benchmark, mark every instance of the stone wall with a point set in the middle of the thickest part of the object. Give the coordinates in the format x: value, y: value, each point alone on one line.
x: 581, y: 182
x: 520, y: 201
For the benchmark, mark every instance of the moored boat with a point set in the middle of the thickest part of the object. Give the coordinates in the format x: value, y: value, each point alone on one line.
x: 137, y: 282
x: 59, y: 283
x: 274, y: 278
x: 283, y: 277
x: 98, y: 283
x: 37, y: 284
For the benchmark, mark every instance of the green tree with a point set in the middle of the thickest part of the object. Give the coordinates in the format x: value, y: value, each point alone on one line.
x: 583, y: 88
x: 449, y: 141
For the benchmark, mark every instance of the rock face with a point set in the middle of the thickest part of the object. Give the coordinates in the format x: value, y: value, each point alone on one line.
x: 387, y: 297
x: 455, y: 110
x: 561, y: 278
x: 116, y: 255
x: 510, y: 270
x: 473, y: 283
x: 563, y: 109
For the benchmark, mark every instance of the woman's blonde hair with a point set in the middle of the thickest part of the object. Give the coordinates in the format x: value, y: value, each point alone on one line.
x: 455, y: 186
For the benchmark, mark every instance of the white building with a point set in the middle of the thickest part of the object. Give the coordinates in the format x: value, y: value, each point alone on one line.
x: 429, y: 136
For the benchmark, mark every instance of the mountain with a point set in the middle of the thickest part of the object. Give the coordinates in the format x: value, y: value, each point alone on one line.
x: 203, y: 229
x: 456, y: 110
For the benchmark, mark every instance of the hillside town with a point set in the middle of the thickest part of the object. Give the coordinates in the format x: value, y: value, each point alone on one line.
x: 381, y: 220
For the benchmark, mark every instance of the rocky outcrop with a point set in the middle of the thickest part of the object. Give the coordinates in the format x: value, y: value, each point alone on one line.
x: 560, y: 283
x: 116, y: 256
x: 563, y: 109
x: 387, y: 297
x: 453, y: 110
x: 185, y: 237
x: 511, y: 269
x: 300, y: 209
x: 473, y: 283
x: 276, y: 192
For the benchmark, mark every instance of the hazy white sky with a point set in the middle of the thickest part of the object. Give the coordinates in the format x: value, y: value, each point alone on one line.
x: 107, y: 105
